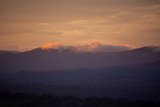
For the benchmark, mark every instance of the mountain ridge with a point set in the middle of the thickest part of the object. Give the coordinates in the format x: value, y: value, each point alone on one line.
x: 52, y: 59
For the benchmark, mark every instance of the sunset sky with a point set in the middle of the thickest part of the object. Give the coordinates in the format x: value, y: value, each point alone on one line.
x: 27, y: 24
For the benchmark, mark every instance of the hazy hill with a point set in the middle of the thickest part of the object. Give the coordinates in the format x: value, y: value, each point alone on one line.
x: 66, y: 58
x: 140, y: 81
x: 133, y: 74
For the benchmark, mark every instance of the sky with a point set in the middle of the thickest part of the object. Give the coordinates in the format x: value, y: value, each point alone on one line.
x: 27, y: 24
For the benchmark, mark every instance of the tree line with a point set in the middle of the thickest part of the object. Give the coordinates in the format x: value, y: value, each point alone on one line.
x: 8, y: 99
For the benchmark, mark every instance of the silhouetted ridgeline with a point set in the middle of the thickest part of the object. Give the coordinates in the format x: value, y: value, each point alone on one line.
x: 132, y: 74
x: 55, y: 59
x: 33, y: 100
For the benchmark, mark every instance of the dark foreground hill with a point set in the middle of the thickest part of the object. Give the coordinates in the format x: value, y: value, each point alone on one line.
x: 139, y: 81
x: 34, y: 100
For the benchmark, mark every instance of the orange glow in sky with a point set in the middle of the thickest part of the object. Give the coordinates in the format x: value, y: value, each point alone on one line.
x: 27, y: 24
x: 50, y: 45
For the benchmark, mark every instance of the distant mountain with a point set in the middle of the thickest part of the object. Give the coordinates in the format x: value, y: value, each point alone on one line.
x: 4, y: 52
x: 67, y: 58
x: 144, y: 50
x: 132, y: 74
x: 91, y: 48
x: 97, y: 47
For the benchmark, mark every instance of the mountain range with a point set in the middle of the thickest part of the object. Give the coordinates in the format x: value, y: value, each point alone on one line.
x: 129, y: 73
x: 64, y: 58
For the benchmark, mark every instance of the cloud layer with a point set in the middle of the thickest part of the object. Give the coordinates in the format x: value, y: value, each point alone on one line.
x: 93, y: 47
x: 29, y: 23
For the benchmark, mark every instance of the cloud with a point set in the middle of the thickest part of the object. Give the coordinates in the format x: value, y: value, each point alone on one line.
x: 97, y: 47
x: 94, y: 47
x: 49, y: 45
x: 106, y: 21
x: 10, y: 48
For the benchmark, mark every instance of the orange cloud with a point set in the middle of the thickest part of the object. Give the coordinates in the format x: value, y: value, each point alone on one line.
x: 128, y: 45
x: 93, y: 46
x: 50, y: 45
